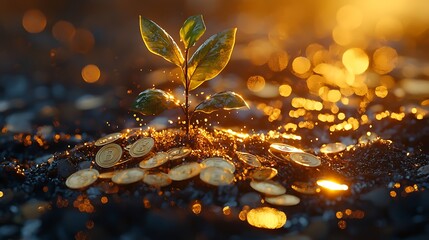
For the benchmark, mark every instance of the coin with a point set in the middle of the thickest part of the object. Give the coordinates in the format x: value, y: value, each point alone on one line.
x: 305, y: 159
x: 142, y: 147
x: 283, y: 200
x: 268, y: 187
x: 128, y: 176
x: 157, y: 179
x: 108, y: 139
x: 218, y: 162
x: 106, y: 175
x: 178, y: 152
x: 82, y: 178
x: 263, y: 173
x: 284, y: 148
x: 305, y: 188
x: 184, y: 171
x: 216, y: 176
x: 275, y: 155
x: 248, y: 158
x: 108, y: 155
x: 332, y: 147
x: 156, y: 160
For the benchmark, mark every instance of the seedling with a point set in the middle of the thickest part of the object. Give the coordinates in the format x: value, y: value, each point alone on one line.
x: 204, y: 64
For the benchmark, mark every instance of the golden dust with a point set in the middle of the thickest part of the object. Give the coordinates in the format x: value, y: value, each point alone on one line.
x: 34, y: 21
x: 332, y: 185
x: 90, y: 73
x: 266, y: 217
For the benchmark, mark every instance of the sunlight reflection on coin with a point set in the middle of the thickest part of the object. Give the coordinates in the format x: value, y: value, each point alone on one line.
x: 283, y: 200
x: 178, y: 152
x: 268, y: 187
x: 108, y: 139
x: 284, y: 148
x: 248, y: 159
x: 216, y: 176
x: 218, y: 162
x: 156, y: 160
x: 108, y: 155
x: 184, y: 171
x: 305, y: 159
x: 128, y: 176
x: 332, y: 147
x: 82, y: 178
x: 305, y: 188
x: 263, y: 173
x: 157, y: 179
x: 141, y: 147
x: 106, y: 175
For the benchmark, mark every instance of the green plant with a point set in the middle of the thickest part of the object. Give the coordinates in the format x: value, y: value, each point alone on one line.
x: 205, y: 64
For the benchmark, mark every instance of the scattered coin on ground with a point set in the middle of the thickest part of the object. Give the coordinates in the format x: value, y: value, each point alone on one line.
x: 268, y: 187
x: 178, y: 152
x: 141, y: 147
x: 305, y: 188
x: 128, y: 176
x: 284, y: 148
x: 248, y: 159
x: 108, y: 139
x: 184, y: 171
x: 108, y: 155
x: 82, y: 178
x: 332, y: 147
x: 218, y: 162
x: 263, y: 173
x: 216, y: 176
x: 305, y: 159
x: 156, y: 160
x: 157, y: 179
x: 283, y: 200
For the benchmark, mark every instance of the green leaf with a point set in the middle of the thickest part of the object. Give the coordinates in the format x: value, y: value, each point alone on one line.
x: 211, y: 57
x: 154, y: 102
x: 159, y: 42
x: 193, y: 28
x: 224, y: 100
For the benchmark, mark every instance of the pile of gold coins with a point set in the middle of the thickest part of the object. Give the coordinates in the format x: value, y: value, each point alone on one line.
x: 216, y: 171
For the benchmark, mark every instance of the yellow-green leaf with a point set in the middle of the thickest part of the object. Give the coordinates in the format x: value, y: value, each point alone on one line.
x: 159, y: 42
x: 224, y: 100
x: 211, y: 57
x: 153, y: 102
x: 193, y: 28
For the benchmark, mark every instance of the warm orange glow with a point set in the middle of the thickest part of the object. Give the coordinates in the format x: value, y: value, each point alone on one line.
x: 83, y: 41
x: 34, y: 21
x: 332, y: 185
x: 278, y: 61
x: 196, y: 208
x: 90, y: 73
x: 355, y: 60
x: 63, y: 31
x: 301, y: 65
x: 266, y: 217
x: 1, y: 194
x: 285, y: 90
x: 256, y: 83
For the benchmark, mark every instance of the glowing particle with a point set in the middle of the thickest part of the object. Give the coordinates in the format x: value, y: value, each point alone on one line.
x: 266, y: 217
x: 63, y: 31
x: 278, y: 61
x: 385, y: 60
x: 285, y: 90
x: 331, y: 185
x: 301, y: 65
x: 196, y: 208
x: 355, y: 60
x: 34, y: 21
x: 1, y: 194
x: 255, y: 83
x: 90, y: 73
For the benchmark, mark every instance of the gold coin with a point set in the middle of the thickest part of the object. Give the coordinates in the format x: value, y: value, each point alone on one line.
x: 216, y: 176
x: 128, y: 176
x: 82, y: 178
x: 106, y: 175
x: 305, y: 159
x: 248, y: 158
x: 284, y: 148
x: 305, y: 188
x: 283, y: 200
x: 218, y: 162
x: 178, y: 152
x: 184, y: 171
x: 276, y: 155
x: 108, y: 155
x: 268, y: 187
x: 332, y: 147
x: 141, y: 147
x: 157, y: 179
x: 263, y: 173
x: 108, y: 139
x: 156, y: 160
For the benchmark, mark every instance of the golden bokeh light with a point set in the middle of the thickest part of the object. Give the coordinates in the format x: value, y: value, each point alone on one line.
x: 83, y: 41
x: 266, y: 217
x: 91, y: 73
x: 301, y: 65
x: 355, y: 60
x: 381, y: 91
x: 385, y: 60
x: 349, y: 17
x: 259, y: 51
x: 34, y: 21
x: 285, y: 90
x: 256, y: 83
x: 278, y: 61
x: 63, y: 31
x: 389, y: 28
x: 332, y: 185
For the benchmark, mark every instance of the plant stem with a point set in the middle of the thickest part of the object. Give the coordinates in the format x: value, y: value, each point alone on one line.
x: 187, y: 83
